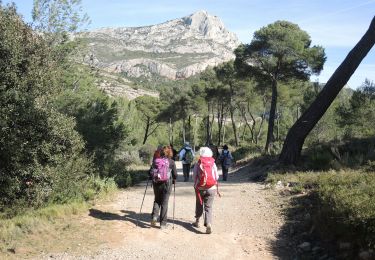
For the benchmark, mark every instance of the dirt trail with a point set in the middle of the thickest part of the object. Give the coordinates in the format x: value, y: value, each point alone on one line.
x: 246, y: 221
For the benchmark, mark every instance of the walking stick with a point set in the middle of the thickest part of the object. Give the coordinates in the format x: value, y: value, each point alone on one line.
x: 174, y: 200
x: 144, y: 195
x: 203, y: 214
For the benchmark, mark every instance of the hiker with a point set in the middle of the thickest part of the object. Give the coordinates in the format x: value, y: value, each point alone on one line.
x: 186, y: 155
x: 163, y: 174
x: 225, y: 159
x: 205, y: 177
x: 174, y: 152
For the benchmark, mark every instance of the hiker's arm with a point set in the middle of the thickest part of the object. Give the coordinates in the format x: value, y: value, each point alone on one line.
x: 214, y: 168
x: 181, y: 154
x: 195, y: 172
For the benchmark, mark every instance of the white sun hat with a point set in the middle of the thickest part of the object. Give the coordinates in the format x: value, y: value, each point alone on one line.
x: 205, y: 152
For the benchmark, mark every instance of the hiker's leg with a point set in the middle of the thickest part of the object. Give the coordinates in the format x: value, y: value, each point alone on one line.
x: 185, y: 170
x: 188, y: 171
x: 208, y: 201
x: 164, y: 204
x: 198, y: 205
x: 225, y: 173
x: 157, y: 201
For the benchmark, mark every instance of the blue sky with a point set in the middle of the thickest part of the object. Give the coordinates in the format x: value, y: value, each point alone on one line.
x: 337, y: 25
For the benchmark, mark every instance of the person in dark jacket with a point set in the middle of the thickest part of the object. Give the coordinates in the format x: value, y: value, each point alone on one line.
x: 226, y: 159
x: 162, y: 190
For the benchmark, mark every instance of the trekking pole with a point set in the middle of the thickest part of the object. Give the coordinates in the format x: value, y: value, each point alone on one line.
x: 144, y: 195
x: 174, y: 200
x: 203, y: 214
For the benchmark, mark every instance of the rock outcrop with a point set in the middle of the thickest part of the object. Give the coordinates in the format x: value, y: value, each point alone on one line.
x: 175, y: 49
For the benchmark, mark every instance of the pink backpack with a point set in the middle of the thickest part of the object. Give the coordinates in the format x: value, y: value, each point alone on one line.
x: 160, y: 171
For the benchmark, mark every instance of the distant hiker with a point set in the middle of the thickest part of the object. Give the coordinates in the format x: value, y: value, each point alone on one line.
x: 205, y: 177
x: 186, y: 156
x: 174, y: 152
x: 225, y: 159
x: 163, y: 174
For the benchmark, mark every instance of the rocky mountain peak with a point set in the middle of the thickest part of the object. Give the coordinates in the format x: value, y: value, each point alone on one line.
x: 175, y: 49
x: 206, y: 24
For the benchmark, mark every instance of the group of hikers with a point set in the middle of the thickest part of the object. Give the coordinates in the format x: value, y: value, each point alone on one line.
x: 163, y: 173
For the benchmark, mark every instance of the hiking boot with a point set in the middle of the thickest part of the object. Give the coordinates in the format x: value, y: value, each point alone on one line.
x: 208, y: 229
x: 153, y: 222
x: 196, y: 223
x: 163, y: 226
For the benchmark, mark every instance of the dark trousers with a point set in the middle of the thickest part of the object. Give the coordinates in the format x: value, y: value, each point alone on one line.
x: 207, y: 199
x: 161, y: 192
x: 186, y: 170
x: 225, y: 172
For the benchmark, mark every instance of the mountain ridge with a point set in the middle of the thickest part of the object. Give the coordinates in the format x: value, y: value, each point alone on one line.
x: 176, y: 49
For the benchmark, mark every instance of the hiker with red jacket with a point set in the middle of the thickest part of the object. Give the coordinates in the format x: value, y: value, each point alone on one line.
x: 205, y: 177
x: 163, y: 174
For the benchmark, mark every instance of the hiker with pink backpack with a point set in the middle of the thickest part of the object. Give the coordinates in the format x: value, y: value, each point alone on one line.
x: 205, y: 177
x: 163, y: 174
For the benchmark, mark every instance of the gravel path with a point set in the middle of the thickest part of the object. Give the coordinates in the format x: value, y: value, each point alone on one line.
x: 246, y: 222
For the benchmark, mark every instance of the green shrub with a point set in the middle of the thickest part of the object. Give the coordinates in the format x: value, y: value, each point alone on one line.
x: 245, y: 152
x: 131, y: 157
x: 319, y: 158
x: 348, y: 199
x: 344, y: 203
x: 353, y: 153
x: 146, y: 153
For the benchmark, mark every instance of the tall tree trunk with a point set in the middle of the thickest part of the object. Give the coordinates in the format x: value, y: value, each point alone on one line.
x: 212, y: 123
x: 292, y: 147
x: 189, y: 129
x: 243, y: 133
x: 259, y: 130
x: 172, y: 127
x: 224, y: 131
x: 219, y: 121
x: 278, y: 125
x: 251, y: 127
x: 146, y: 130
x: 170, y: 131
x: 183, y: 130
x: 261, y: 122
x: 195, y: 131
x: 271, y: 120
x: 208, y: 129
x: 231, y: 110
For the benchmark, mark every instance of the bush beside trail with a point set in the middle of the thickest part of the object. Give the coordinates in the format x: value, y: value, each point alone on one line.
x: 341, y: 205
